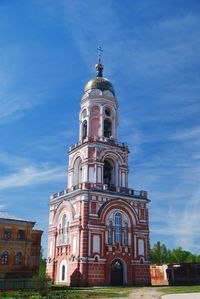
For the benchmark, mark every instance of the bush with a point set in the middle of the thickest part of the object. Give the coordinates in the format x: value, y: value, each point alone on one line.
x: 42, y: 284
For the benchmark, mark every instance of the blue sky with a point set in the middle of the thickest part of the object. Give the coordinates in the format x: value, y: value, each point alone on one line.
x: 151, y: 55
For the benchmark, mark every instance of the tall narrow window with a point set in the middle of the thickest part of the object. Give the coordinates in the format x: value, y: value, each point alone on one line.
x: 107, y: 173
x: 110, y: 233
x: 84, y: 129
x: 4, y: 258
x: 77, y: 172
x: 64, y: 229
x: 118, y: 227
x: 126, y: 234
x: 107, y: 128
x: 64, y: 220
x: 63, y: 272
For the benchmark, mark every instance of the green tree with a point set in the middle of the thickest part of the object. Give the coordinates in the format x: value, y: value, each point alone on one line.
x: 42, y: 268
x: 178, y: 255
x: 159, y: 254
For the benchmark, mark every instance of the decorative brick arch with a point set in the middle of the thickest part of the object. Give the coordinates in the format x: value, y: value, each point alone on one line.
x: 81, y: 112
x: 111, y: 155
x: 62, y: 208
x: 77, y: 155
x: 111, y: 215
x: 116, y: 205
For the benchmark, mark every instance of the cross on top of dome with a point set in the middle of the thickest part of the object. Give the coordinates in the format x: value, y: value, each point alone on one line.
x: 99, y: 51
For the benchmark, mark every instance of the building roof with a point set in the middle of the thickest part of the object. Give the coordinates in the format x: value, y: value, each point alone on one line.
x: 6, y: 215
x: 37, y: 227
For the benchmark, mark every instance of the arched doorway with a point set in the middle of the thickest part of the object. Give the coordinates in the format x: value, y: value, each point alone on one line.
x: 117, y: 273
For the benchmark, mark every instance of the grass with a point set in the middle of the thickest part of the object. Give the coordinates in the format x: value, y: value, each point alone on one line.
x: 181, y: 289
x: 83, y: 293
x: 93, y: 292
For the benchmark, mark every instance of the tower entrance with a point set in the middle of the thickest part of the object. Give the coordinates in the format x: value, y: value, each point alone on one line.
x: 117, y: 273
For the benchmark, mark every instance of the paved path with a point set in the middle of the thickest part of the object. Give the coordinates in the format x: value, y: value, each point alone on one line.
x: 182, y: 296
x: 145, y: 293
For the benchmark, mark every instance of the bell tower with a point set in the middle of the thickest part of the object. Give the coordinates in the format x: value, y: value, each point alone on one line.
x: 99, y: 158
x: 98, y: 226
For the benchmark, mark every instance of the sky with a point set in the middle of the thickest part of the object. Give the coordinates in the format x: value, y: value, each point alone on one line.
x: 150, y: 54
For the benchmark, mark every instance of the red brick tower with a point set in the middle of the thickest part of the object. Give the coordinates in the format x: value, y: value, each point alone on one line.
x: 98, y: 227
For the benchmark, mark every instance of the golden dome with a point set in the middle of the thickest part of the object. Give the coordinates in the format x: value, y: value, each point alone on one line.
x: 99, y: 83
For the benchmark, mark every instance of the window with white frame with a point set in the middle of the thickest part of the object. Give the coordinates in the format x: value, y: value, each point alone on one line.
x: 118, y: 228
x: 4, y: 258
x: 64, y: 230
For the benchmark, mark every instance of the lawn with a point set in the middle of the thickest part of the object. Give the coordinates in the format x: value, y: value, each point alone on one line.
x: 82, y: 293
x: 181, y: 289
x: 92, y: 293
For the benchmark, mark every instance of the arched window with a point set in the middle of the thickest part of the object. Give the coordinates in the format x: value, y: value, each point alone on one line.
x: 107, y: 173
x: 84, y: 114
x: 110, y: 233
x: 84, y: 129
x: 77, y: 171
x: 63, y: 272
x: 107, y: 128
x: 126, y: 234
x: 107, y: 111
x: 118, y: 227
x: 4, y: 258
x: 18, y: 258
x: 64, y: 220
x: 65, y: 230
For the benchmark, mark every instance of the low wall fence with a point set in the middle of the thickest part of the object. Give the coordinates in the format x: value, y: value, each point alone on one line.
x: 19, y: 284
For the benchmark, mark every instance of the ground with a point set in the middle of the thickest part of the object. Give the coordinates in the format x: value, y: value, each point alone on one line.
x: 145, y: 293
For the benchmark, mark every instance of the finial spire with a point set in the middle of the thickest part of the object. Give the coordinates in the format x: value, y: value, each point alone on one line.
x: 99, y: 66
x: 99, y: 51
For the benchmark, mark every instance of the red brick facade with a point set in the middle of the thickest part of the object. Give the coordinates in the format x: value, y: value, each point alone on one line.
x: 98, y: 226
x: 20, y: 246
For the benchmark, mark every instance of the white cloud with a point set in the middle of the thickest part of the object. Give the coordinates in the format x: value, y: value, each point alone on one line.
x: 2, y: 207
x: 12, y: 106
x: 188, y: 134
x: 31, y: 175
